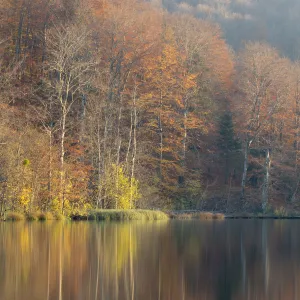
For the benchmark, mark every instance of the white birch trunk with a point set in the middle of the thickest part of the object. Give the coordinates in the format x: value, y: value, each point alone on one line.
x: 265, y: 188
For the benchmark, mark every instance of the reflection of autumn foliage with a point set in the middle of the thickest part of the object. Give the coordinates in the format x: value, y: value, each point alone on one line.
x: 178, y: 260
x: 120, y: 242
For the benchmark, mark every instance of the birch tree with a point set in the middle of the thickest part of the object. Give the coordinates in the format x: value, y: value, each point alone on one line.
x: 69, y: 68
x: 263, y: 91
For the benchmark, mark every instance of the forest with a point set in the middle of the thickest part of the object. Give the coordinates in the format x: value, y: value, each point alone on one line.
x: 123, y: 104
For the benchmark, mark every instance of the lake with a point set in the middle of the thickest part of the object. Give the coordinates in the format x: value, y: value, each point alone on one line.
x: 167, y: 260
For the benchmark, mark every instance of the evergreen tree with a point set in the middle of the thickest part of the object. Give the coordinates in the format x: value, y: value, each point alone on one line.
x: 227, y: 142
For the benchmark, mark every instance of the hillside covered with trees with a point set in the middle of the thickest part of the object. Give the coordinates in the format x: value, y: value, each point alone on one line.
x: 121, y: 104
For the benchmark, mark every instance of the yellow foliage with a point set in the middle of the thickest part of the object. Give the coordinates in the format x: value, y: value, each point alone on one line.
x: 190, y: 81
x: 121, y: 190
x: 24, y: 198
x: 55, y: 205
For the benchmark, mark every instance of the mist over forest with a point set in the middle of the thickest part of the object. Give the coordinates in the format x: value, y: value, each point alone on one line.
x: 272, y: 21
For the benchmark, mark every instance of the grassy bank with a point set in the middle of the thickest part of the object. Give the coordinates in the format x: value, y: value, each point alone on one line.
x: 151, y: 215
x: 32, y: 216
x: 126, y: 215
x: 147, y: 215
x: 97, y: 215
x: 197, y: 216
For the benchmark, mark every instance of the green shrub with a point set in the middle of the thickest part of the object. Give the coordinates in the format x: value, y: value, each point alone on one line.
x: 91, y: 217
x: 14, y: 216
x: 42, y: 217
x: 45, y: 216
x: 280, y: 212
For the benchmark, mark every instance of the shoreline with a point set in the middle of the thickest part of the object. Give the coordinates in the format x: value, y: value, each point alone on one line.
x: 141, y: 214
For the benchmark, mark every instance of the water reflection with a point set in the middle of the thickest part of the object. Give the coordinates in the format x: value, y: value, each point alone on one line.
x: 182, y: 260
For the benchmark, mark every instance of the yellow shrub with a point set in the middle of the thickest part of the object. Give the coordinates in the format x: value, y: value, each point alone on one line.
x: 25, y: 197
x: 121, y: 190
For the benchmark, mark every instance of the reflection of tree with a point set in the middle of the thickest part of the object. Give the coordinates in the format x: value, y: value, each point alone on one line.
x: 229, y: 261
x: 119, y: 246
x: 30, y: 253
x: 152, y: 260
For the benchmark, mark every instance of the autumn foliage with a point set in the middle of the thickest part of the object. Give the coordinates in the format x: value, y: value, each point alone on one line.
x: 118, y: 104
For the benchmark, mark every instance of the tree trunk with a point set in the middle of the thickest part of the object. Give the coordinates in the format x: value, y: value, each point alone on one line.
x: 82, y: 117
x: 119, y: 143
x: 293, y: 198
x: 45, y: 27
x: 226, y: 167
x: 160, y: 129
x: 265, y: 189
x: 19, y: 36
x: 183, y: 163
x: 62, y: 160
x: 184, y: 137
x: 27, y: 36
x: 129, y: 140
x: 244, y: 177
x: 119, y: 139
x: 99, y: 196
x: 1, y: 208
x: 105, y: 156
x: 135, y: 121
x: 50, y: 170
x: 2, y: 200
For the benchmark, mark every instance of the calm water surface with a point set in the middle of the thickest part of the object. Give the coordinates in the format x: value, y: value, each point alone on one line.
x: 184, y: 260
